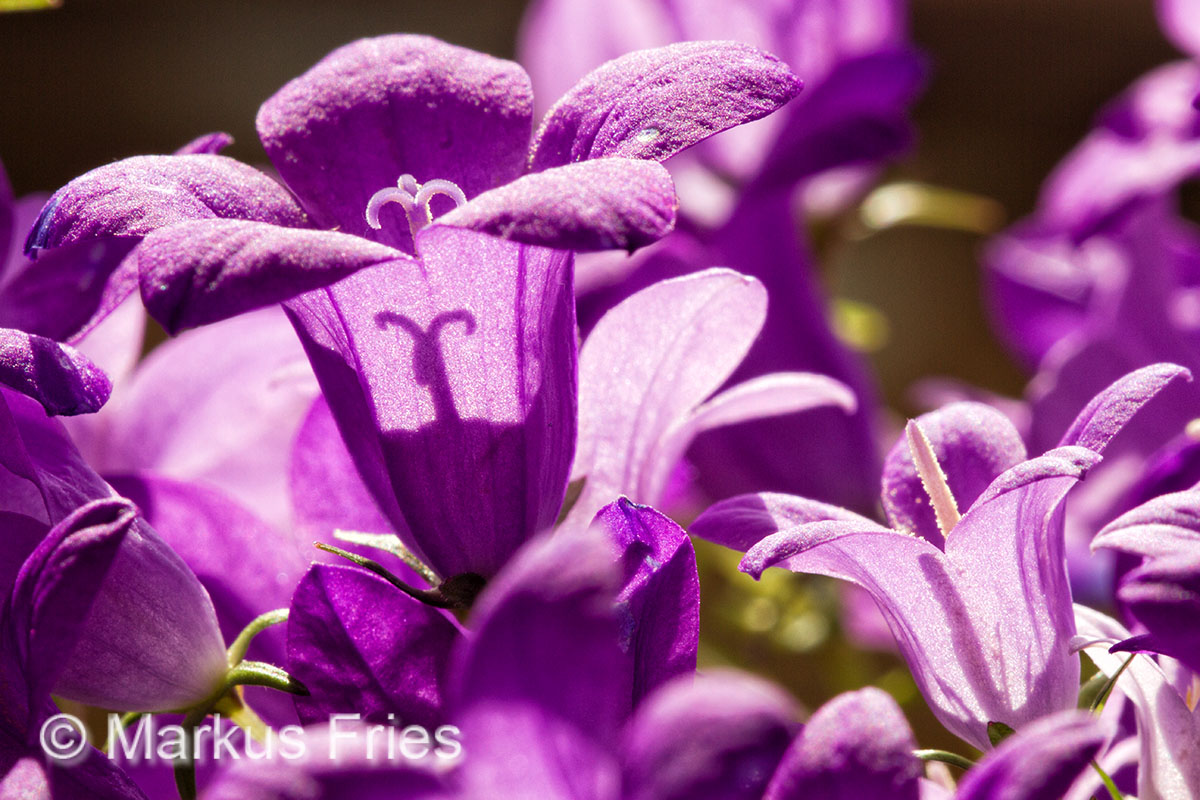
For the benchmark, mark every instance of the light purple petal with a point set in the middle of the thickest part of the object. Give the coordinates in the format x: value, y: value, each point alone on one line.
x: 1166, y: 726
x: 600, y: 204
x: 857, y: 745
x: 362, y: 646
x: 209, y: 143
x: 141, y: 194
x: 1039, y: 762
x: 646, y: 365
x: 718, y: 737
x: 380, y: 108
x: 199, y: 272
x: 56, y: 375
x: 653, y: 103
x: 467, y: 358
x: 1161, y: 526
x: 741, y: 522
x: 659, y: 601
x: 1109, y: 411
x: 1180, y: 21
x: 220, y: 404
x: 973, y: 444
x: 542, y: 687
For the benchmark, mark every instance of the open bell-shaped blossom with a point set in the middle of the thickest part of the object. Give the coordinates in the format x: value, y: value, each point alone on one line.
x: 406, y: 123
x: 977, y: 599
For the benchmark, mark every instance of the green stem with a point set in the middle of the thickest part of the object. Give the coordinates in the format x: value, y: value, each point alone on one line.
x: 237, y: 650
x: 1113, y: 791
x: 1102, y: 698
x: 131, y: 718
x: 388, y: 543
x: 258, y: 673
x: 946, y: 757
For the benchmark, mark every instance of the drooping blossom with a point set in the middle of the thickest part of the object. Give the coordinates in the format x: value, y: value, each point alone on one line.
x: 964, y: 592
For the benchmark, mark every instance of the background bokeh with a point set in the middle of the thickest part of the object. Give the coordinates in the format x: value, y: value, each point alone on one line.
x: 1014, y: 84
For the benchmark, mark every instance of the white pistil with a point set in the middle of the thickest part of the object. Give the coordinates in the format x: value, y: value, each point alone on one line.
x: 932, y: 478
x: 414, y: 197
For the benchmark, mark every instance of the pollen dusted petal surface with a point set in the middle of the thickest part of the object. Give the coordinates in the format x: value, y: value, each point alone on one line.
x: 600, y: 204
x: 195, y: 273
x: 380, y: 108
x: 653, y: 103
x: 141, y: 194
x: 56, y: 375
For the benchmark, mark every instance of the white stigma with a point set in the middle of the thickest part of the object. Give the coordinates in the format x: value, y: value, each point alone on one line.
x: 415, y: 198
x: 932, y: 478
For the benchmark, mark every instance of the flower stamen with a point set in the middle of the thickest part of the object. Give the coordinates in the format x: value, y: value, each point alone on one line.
x: 415, y: 198
x: 932, y: 478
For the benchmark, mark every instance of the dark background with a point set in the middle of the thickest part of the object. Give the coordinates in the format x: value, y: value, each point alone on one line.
x: 1015, y: 84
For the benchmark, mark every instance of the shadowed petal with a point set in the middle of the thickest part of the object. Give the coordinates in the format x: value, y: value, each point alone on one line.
x: 1039, y: 762
x: 659, y: 602
x: 653, y: 103
x: 56, y: 375
x: 469, y: 359
x: 362, y: 646
x: 138, y: 195
x: 380, y: 108
x: 717, y: 737
x: 600, y: 204
x: 973, y: 444
x: 199, y: 272
x: 542, y: 687
x: 857, y: 745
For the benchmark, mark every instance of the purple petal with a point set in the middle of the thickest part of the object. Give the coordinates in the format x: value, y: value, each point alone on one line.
x: 542, y: 688
x: 1164, y: 596
x: 138, y: 195
x: 718, y: 737
x: 647, y: 364
x: 208, y: 144
x: 653, y: 103
x: 660, y: 598
x: 1039, y: 762
x: 195, y: 273
x: 362, y: 646
x: 466, y: 358
x: 58, y: 585
x: 380, y: 108
x: 55, y: 375
x: 741, y: 522
x: 151, y: 640
x: 973, y: 444
x: 601, y: 204
x: 857, y: 745
x: 220, y: 404
x: 1109, y: 411
x: 1178, y: 20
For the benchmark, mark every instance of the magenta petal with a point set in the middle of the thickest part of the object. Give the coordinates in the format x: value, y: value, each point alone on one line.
x: 741, y: 522
x: 56, y: 375
x: 600, y: 204
x: 542, y: 687
x: 1179, y: 22
x: 973, y: 444
x: 208, y: 144
x: 857, y: 745
x: 362, y: 646
x: 719, y: 737
x: 380, y: 108
x: 199, y: 272
x: 58, y: 584
x: 659, y: 601
x: 1039, y: 762
x: 465, y: 358
x: 653, y: 103
x: 138, y: 195
x: 1109, y: 411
